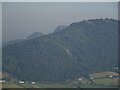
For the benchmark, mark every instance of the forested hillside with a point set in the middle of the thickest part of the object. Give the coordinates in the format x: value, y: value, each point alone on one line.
x: 82, y: 48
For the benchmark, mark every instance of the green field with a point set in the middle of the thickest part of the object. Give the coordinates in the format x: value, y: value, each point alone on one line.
x: 36, y: 86
x: 103, y: 74
x: 104, y: 79
x: 11, y: 86
x: 107, y: 81
x: 53, y: 86
x: 97, y: 86
x: 99, y: 80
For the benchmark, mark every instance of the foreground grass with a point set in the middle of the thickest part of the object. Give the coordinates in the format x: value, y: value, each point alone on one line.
x: 53, y: 86
x: 97, y: 86
x: 36, y: 86
x: 106, y: 81
x: 11, y: 86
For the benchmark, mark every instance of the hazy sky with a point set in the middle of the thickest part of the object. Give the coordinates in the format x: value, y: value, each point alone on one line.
x: 22, y: 19
x: 0, y: 23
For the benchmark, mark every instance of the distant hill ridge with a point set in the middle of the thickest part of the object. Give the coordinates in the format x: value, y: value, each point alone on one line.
x: 34, y: 35
x: 60, y: 28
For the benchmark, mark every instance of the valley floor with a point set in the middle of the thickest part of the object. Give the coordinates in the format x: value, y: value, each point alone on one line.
x: 54, y: 86
x: 97, y: 80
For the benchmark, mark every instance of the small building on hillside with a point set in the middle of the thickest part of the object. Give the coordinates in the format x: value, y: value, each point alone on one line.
x: 80, y: 79
x: 2, y: 81
x: 111, y: 76
x: 91, y: 78
x: 21, y: 82
x: 32, y: 82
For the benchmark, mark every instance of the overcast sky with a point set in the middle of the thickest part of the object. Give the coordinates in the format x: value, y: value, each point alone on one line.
x: 22, y: 19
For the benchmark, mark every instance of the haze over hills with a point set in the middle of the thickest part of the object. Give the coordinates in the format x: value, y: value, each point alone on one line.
x: 34, y: 35
x: 59, y: 28
x: 11, y: 42
x: 82, y: 48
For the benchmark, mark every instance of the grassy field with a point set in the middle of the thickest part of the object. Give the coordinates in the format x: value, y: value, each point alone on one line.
x: 99, y: 80
x: 103, y: 78
x: 103, y: 74
x: 83, y: 81
x: 36, y: 86
x: 96, y: 86
x: 106, y: 81
x: 54, y: 86
x: 11, y: 86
